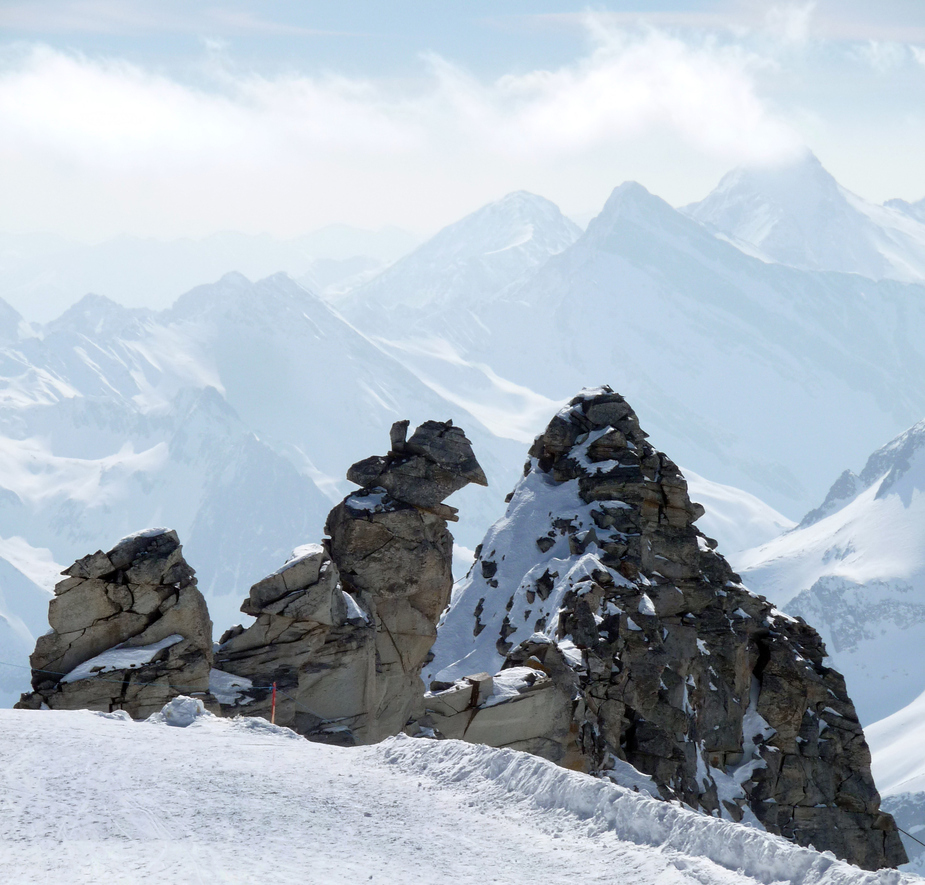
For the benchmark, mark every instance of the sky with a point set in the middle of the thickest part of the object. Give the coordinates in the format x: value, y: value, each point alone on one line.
x: 176, y: 119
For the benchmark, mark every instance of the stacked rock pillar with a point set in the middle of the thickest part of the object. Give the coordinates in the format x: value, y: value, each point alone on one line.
x: 345, y: 628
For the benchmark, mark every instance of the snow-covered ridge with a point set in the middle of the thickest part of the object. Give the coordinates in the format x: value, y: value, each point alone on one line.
x: 855, y: 569
x: 884, y: 467
x: 913, y: 210
x: 741, y: 520
x: 797, y: 214
x: 469, y: 262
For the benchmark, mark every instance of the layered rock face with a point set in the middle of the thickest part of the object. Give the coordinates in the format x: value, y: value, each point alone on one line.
x: 130, y: 631
x: 315, y: 641
x: 345, y: 629
x: 648, y: 650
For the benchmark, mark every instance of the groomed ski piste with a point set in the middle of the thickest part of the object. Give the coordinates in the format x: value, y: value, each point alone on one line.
x: 90, y: 797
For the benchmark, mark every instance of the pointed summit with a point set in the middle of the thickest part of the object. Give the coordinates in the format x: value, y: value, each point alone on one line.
x: 796, y: 213
x: 95, y: 315
x: 631, y: 202
x: 472, y: 260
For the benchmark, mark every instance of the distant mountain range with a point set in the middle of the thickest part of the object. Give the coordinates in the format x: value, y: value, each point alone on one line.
x: 735, y: 362
x: 233, y: 414
x: 42, y: 275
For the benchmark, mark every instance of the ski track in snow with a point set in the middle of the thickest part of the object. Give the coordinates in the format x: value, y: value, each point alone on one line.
x: 89, y: 798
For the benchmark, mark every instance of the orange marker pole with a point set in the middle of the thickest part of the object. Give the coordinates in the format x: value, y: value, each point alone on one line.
x: 273, y: 707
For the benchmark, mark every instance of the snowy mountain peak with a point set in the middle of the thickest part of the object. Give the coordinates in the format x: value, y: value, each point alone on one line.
x: 901, y: 457
x: 796, y: 213
x: 778, y: 209
x: 631, y: 201
x: 473, y: 259
x: 235, y: 295
x: 95, y: 316
x: 234, y: 279
x: 519, y: 220
x: 855, y: 569
x: 801, y: 183
x: 889, y: 465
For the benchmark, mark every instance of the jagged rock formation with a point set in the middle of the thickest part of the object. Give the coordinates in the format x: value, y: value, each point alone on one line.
x: 130, y: 631
x: 648, y: 650
x: 344, y: 629
x: 313, y: 639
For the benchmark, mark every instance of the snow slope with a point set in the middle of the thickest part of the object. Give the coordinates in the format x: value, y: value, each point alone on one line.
x: 899, y: 768
x: 913, y: 210
x: 23, y: 618
x: 896, y: 744
x: 738, y: 520
x: 242, y: 801
x: 27, y: 576
x: 855, y: 569
x: 797, y: 214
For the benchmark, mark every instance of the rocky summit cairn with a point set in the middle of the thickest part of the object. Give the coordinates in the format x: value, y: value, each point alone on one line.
x: 343, y: 629
x: 619, y: 635
x: 130, y: 631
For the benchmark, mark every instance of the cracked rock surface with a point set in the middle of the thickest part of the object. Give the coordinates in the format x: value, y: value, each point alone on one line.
x: 647, y: 649
x: 130, y: 631
x: 345, y: 628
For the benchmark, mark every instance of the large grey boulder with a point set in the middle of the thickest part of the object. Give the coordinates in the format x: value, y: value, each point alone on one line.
x: 130, y: 631
x: 345, y: 628
x: 315, y: 641
x: 598, y: 579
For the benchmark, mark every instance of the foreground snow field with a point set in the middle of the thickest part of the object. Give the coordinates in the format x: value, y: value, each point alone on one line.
x: 89, y: 797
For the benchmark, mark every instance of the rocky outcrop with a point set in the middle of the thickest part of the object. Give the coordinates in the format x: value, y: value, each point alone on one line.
x: 130, y: 631
x: 648, y: 650
x: 314, y: 640
x: 344, y: 628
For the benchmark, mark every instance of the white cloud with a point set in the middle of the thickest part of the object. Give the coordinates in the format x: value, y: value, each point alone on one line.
x: 792, y: 22
x: 296, y: 150
x: 884, y: 55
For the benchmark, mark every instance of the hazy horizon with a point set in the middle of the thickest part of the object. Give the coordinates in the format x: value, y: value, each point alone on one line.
x: 117, y: 118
